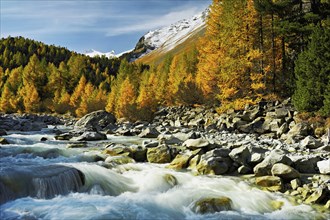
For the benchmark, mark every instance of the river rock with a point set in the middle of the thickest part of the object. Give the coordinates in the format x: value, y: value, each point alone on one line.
x: 240, y: 155
x: 275, y: 156
x: 196, y: 143
x: 117, y: 160
x: 160, y: 154
x: 77, y: 145
x: 168, y: 139
x: 213, y: 163
x: 324, y: 166
x: 271, y: 183
x: 212, y: 205
x: 98, y: 119
x: 284, y: 171
x: 139, y: 153
x: 149, y: 132
x: 64, y: 136
x: 91, y: 136
x: 3, y: 141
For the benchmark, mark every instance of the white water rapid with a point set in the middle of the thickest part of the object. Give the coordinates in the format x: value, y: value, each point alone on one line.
x: 46, y: 180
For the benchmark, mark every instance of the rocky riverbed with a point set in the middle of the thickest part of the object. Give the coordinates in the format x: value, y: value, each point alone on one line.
x: 266, y: 144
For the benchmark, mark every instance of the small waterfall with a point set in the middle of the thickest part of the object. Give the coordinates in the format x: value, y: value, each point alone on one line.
x: 44, y: 181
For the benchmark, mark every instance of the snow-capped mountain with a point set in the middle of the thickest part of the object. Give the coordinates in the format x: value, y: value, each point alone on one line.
x: 169, y: 37
x: 165, y: 39
x: 94, y: 53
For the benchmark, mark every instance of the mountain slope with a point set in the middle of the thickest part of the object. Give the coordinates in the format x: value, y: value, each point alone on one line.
x: 153, y: 46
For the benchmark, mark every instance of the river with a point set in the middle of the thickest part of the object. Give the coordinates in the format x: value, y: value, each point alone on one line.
x: 47, y: 180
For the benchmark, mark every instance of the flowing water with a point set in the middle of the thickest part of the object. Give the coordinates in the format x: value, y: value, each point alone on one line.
x: 46, y: 180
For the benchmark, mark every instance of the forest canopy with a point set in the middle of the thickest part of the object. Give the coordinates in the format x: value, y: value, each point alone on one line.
x: 252, y: 50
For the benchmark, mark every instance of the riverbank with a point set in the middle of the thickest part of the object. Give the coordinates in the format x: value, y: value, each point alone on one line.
x: 267, y: 143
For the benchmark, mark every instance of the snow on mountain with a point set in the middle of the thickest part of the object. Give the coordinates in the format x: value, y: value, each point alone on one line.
x: 94, y: 53
x: 169, y: 37
x: 112, y: 54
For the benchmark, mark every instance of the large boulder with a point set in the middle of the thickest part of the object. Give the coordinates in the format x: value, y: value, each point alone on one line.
x: 307, y: 164
x: 98, y: 120
x: 284, y: 171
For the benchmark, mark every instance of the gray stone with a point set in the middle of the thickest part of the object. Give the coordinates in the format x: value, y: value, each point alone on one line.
x: 3, y: 132
x: 307, y: 164
x: 302, y: 129
x: 240, y: 155
x: 244, y: 169
x: 275, y: 156
x: 196, y: 143
x: 149, y: 132
x: 284, y: 171
x: 98, y: 119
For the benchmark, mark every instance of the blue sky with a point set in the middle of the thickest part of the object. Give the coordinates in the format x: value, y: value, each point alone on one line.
x: 103, y: 25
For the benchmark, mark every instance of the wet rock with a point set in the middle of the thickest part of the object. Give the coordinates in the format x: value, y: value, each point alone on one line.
x: 3, y: 141
x: 160, y: 154
x: 43, y: 139
x: 212, y: 205
x: 277, y: 205
x: 284, y: 171
x: 275, y: 156
x: 271, y: 183
x: 324, y: 166
x: 149, y: 132
x: 98, y: 120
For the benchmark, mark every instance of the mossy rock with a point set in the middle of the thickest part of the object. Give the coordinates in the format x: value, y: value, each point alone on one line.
x: 212, y: 205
